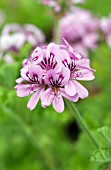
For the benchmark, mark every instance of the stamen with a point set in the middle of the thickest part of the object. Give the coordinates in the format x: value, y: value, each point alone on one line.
x: 78, y: 74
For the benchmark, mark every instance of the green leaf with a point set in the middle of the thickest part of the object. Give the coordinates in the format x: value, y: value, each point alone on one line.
x: 102, y: 156
x: 8, y: 75
x: 105, y: 132
x: 25, y: 52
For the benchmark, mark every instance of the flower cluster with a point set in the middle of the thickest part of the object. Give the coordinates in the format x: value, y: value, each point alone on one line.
x: 14, y: 36
x: 79, y: 27
x: 51, y: 73
x: 105, y: 27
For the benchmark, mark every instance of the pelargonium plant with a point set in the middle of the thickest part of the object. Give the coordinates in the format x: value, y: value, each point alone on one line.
x: 51, y: 74
x: 80, y: 28
x: 54, y: 72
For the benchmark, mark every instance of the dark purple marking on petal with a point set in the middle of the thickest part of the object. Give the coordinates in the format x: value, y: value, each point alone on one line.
x: 59, y: 81
x: 65, y: 63
x: 34, y: 78
x: 51, y: 60
x: 44, y: 63
x: 72, y: 65
x: 51, y: 80
x: 35, y: 58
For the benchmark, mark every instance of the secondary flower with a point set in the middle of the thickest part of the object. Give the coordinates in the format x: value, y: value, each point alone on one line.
x: 105, y: 27
x: 51, y: 74
x: 30, y: 83
x: 15, y: 36
x: 79, y: 28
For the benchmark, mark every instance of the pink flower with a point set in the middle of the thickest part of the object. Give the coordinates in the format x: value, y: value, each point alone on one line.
x: 79, y: 67
x: 51, y: 74
x: 105, y: 27
x: 79, y: 27
x: 30, y: 83
x: 14, y: 36
x: 54, y: 93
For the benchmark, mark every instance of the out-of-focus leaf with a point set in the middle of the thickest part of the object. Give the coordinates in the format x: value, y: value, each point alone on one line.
x: 8, y: 75
x: 105, y: 132
x: 102, y: 156
x: 25, y: 52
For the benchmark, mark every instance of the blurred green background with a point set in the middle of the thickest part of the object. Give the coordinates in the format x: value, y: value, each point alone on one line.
x: 61, y: 141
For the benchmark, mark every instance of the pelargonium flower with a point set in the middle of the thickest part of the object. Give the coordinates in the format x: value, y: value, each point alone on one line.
x: 52, y: 74
x: 79, y: 27
x: 15, y: 36
x: 105, y: 27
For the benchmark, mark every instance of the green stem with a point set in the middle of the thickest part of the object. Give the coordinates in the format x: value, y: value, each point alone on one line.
x: 81, y: 122
x: 57, y: 31
x: 30, y: 136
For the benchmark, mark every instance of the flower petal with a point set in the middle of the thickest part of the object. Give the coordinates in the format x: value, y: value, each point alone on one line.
x: 23, y: 90
x: 63, y: 56
x: 58, y: 104
x: 47, y: 97
x: 24, y: 72
x: 68, y: 45
x: 85, y: 75
x: 19, y: 80
x: 70, y: 88
x: 84, y: 63
x: 37, y: 55
x: 52, y: 48
x: 74, y: 98
x: 81, y: 90
x: 50, y: 77
x: 34, y: 99
x: 63, y: 76
x: 35, y: 70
